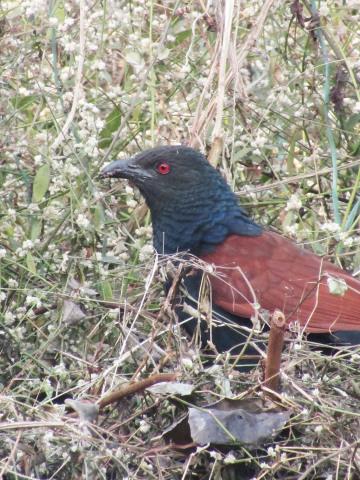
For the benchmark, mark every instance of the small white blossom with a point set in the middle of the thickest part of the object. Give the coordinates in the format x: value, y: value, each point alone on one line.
x: 229, y: 459
x: 330, y: 227
x: 9, y: 318
x: 131, y: 203
x: 324, y: 9
x: 2, y: 253
x: 356, y: 107
x: 291, y: 229
x: 319, y: 429
x: 187, y: 363
x: 53, y: 22
x: 215, y: 455
x: 33, y: 301
x: 70, y: 47
x: 355, y: 358
x: 12, y: 283
x: 144, y: 426
x: 27, y: 244
x: 146, y: 252
x: 38, y: 160
x: 348, y: 242
x: 72, y: 170
x: 294, y: 203
x: 82, y: 221
x: 271, y: 452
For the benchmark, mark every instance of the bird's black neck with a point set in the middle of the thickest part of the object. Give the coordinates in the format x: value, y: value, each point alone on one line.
x: 196, y: 221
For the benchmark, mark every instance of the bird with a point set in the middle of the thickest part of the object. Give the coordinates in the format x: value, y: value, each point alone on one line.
x: 251, y: 269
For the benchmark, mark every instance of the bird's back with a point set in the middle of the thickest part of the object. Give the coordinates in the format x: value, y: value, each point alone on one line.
x: 273, y: 272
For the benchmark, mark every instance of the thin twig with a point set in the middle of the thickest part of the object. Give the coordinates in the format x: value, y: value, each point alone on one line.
x: 135, y: 387
x: 78, y: 78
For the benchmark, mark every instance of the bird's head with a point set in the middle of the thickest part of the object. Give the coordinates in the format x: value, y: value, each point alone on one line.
x: 192, y: 206
x: 163, y: 173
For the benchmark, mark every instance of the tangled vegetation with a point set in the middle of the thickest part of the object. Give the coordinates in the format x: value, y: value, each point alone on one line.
x: 271, y: 91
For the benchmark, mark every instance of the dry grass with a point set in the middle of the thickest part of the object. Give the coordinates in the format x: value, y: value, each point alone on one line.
x: 276, y: 103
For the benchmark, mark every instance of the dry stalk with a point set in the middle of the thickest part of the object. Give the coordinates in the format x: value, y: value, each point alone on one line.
x: 275, y: 346
x: 205, y: 116
x: 218, y: 139
x: 134, y: 387
x: 79, y: 74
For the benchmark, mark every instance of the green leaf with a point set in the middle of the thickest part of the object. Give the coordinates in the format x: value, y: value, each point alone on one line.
x: 23, y: 102
x: 182, y: 36
x: 290, y: 159
x: 30, y: 263
x: 351, y: 122
x: 106, y: 290
x: 35, y: 230
x: 41, y: 183
x: 337, y: 286
x: 112, y: 123
x: 98, y: 216
x: 59, y: 11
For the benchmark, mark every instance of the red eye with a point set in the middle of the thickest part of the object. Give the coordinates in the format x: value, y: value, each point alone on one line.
x: 163, y: 168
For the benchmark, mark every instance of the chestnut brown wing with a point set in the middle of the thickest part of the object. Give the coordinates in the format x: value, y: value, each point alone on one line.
x: 277, y: 274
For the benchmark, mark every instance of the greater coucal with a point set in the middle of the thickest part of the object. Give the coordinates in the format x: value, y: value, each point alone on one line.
x: 194, y: 210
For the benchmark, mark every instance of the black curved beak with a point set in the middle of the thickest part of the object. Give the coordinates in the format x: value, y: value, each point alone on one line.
x: 119, y: 169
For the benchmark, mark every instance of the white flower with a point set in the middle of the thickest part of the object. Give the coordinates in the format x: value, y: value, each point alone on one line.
x: 229, y: 459
x: 271, y: 452
x: 294, y: 203
x: 187, y: 363
x: 12, y: 283
x: 324, y: 9
x: 131, y: 203
x: 23, y: 91
x: 356, y: 107
x: 72, y: 170
x: 330, y: 227
x: 145, y: 252
x: 53, y: 22
x: 11, y: 213
x: 215, y: 455
x: 144, y: 426
x: 82, y: 221
x: 33, y: 301
x: 70, y: 47
x: 69, y: 22
x: 292, y: 229
x: 98, y: 65
x: 348, y: 241
x: 27, y: 245
x: 9, y: 318
x: 2, y: 252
